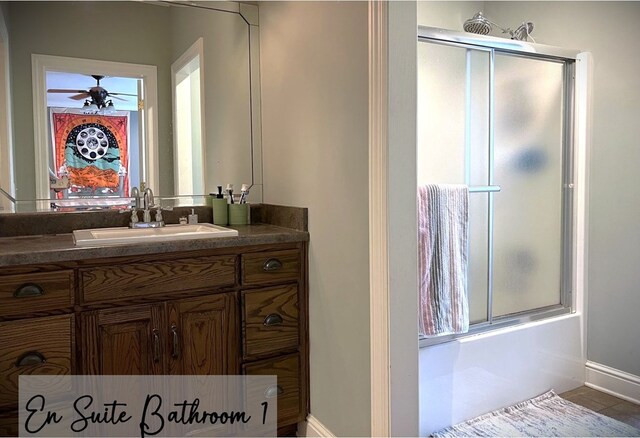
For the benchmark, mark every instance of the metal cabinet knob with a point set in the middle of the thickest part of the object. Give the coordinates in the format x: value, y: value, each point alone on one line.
x: 31, y: 358
x: 273, y: 391
x: 28, y: 290
x: 156, y: 345
x: 272, y: 265
x: 176, y: 342
x: 272, y: 319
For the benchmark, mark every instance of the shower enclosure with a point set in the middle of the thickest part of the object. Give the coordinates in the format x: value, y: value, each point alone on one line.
x: 497, y: 115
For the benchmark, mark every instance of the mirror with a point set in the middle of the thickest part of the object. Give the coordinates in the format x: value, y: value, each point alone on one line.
x: 198, y: 96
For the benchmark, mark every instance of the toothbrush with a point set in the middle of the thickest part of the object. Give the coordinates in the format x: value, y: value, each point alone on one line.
x: 230, y: 192
x: 245, y: 192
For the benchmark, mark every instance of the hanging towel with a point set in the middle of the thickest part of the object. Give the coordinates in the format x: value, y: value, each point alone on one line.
x: 443, y: 222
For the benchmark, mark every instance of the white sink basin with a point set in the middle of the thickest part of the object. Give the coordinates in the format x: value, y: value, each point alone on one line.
x: 121, y: 236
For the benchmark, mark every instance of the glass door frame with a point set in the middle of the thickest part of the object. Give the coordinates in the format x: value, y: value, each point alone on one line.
x: 528, y: 50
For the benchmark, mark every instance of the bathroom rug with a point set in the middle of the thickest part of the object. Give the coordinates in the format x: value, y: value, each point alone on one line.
x: 547, y: 415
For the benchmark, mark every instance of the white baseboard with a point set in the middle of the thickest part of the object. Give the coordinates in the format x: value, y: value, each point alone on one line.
x: 612, y: 381
x: 313, y: 428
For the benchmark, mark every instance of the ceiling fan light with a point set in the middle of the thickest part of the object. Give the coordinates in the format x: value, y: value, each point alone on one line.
x: 110, y: 108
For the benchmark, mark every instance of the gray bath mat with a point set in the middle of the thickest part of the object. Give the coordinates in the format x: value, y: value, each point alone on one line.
x: 544, y: 416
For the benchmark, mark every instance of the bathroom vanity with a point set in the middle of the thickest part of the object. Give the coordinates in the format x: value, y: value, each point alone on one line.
x: 234, y: 305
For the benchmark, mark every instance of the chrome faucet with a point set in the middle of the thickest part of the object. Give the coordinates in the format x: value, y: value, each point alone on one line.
x: 148, y: 198
x: 148, y: 204
x: 135, y: 193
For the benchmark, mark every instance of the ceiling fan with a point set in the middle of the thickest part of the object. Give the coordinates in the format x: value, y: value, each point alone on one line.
x: 97, y: 94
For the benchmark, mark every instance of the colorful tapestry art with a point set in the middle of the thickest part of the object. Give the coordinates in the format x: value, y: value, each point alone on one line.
x: 92, y: 151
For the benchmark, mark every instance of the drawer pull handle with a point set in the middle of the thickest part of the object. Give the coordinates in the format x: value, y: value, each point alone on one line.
x: 28, y: 290
x: 31, y: 358
x: 176, y: 342
x: 273, y: 391
x: 272, y: 319
x: 156, y: 346
x: 272, y: 265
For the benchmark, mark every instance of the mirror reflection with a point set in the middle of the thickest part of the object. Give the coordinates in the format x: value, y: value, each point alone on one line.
x: 104, y: 96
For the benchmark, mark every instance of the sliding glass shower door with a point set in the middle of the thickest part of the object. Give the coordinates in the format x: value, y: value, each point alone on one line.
x: 499, y: 122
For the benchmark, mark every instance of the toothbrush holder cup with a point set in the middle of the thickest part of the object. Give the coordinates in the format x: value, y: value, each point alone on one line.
x: 238, y: 214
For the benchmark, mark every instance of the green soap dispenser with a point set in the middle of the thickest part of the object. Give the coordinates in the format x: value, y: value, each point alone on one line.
x: 220, y: 208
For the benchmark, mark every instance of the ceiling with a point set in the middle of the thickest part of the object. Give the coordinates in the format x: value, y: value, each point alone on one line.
x: 84, y: 82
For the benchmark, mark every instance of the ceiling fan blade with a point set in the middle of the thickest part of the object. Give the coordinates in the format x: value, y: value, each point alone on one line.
x: 80, y: 96
x: 58, y: 90
x: 121, y: 94
x: 117, y: 98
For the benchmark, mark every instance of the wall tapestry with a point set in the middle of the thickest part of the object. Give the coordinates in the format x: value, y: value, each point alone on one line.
x: 92, y: 150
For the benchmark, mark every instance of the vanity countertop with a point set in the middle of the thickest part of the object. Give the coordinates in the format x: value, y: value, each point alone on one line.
x: 51, y: 248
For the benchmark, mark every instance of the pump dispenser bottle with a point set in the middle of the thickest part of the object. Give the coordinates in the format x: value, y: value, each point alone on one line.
x: 220, y: 208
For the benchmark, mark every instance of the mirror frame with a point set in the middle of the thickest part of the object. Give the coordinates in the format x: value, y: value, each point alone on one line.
x: 42, y: 63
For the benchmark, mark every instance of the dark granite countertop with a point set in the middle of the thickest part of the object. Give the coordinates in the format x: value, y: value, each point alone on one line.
x: 51, y: 248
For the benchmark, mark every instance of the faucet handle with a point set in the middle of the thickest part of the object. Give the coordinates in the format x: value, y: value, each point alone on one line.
x: 159, y: 217
x: 134, y: 216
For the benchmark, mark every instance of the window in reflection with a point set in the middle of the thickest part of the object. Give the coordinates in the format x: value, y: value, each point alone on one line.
x: 187, y: 120
x: 94, y: 143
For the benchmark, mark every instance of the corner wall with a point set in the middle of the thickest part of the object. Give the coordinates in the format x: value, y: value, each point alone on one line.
x: 610, y: 31
x: 314, y: 74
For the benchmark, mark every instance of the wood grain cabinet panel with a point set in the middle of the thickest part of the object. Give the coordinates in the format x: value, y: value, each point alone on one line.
x: 134, y: 280
x: 287, y: 370
x: 202, y: 338
x: 36, y: 293
x: 270, y: 267
x: 9, y: 424
x: 124, y: 341
x: 37, y: 346
x: 270, y: 320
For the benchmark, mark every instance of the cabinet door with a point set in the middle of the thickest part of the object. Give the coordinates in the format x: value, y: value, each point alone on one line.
x: 203, y: 335
x: 124, y: 341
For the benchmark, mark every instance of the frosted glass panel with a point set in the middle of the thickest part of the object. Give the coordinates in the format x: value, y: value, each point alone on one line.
x: 528, y: 210
x: 478, y: 260
x: 478, y: 119
x: 453, y: 119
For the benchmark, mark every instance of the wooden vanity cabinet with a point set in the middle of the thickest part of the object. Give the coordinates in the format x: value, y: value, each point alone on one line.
x: 37, y: 331
x: 275, y: 327
x: 238, y: 310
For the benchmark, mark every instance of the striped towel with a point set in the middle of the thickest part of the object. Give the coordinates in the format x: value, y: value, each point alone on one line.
x: 443, y: 222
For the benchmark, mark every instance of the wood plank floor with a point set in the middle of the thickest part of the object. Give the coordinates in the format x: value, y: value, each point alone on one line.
x: 605, y: 404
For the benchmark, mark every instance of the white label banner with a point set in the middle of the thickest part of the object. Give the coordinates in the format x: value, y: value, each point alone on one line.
x: 163, y: 406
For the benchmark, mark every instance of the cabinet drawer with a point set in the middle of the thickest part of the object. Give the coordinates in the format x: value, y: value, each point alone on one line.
x: 137, y: 280
x: 270, y: 320
x: 272, y: 266
x: 34, y: 346
x: 287, y: 369
x: 25, y: 294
